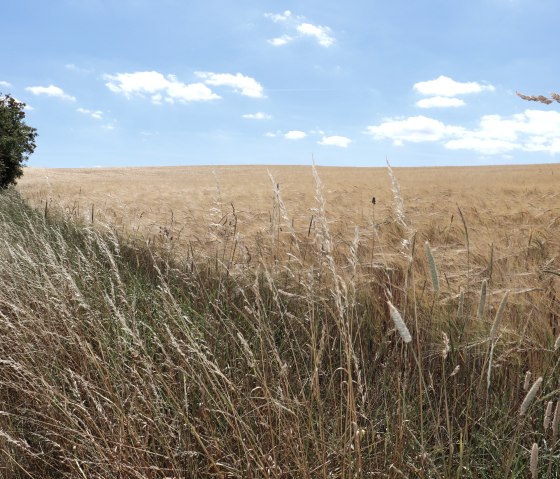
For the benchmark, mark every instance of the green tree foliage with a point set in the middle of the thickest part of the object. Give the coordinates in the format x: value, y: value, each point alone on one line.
x: 17, y: 140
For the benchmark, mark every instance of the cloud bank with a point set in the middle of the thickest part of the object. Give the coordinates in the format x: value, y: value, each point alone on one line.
x: 530, y: 131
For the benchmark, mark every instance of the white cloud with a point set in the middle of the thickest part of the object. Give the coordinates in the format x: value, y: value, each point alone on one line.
x: 75, y: 68
x: 189, y: 92
x: 257, y: 116
x: 297, y: 27
x: 321, y: 33
x: 280, y: 41
x: 415, y: 129
x: 439, y: 102
x: 159, y: 87
x: 138, y: 82
x: 95, y: 114
x: 295, y: 135
x: 242, y: 84
x: 5, y: 84
x: 445, y: 86
x: 487, y: 146
x: 50, y: 90
x: 279, y: 17
x: 340, y: 141
x: 532, y: 131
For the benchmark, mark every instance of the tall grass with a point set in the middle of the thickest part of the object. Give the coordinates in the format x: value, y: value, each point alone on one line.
x: 119, y: 360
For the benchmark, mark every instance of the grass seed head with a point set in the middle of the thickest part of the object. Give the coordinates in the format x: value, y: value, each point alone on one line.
x: 547, y: 415
x: 534, y: 460
x: 556, y: 419
x: 530, y: 396
x: 399, y: 323
x: 527, y: 381
x: 432, y: 264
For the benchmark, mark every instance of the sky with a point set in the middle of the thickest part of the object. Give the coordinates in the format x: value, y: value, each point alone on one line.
x: 171, y: 82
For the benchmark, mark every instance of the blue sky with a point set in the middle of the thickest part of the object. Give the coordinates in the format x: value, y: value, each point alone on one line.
x: 169, y: 82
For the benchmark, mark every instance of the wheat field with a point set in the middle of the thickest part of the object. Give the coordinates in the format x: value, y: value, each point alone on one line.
x: 254, y: 322
x: 508, y: 210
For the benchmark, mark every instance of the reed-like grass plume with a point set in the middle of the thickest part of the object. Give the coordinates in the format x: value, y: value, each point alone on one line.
x: 556, y: 419
x: 540, y: 98
x: 534, y: 464
x: 397, y: 196
x: 482, y: 301
x: 498, y: 317
x: 548, y: 415
x: 530, y: 396
x: 527, y: 381
x: 399, y: 323
x: 432, y: 265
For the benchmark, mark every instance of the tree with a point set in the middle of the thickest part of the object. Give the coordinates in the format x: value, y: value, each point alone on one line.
x: 540, y: 98
x: 17, y: 140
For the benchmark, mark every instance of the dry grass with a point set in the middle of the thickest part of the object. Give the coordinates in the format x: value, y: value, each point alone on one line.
x: 253, y: 341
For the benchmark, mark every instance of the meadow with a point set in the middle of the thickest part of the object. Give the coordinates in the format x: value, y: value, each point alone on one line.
x: 275, y: 322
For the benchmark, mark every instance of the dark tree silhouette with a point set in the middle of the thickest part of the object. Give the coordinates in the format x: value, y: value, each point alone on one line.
x: 17, y: 140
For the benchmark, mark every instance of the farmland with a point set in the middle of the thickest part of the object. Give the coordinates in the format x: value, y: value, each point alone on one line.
x: 185, y: 322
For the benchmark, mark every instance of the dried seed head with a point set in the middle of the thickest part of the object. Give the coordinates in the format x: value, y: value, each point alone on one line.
x: 455, y: 371
x: 446, y: 348
x: 556, y: 419
x: 527, y: 381
x: 399, y: 323
x: 557, y: 343
x: 498, y: 317
x: 534, y: 460
x: 530, y: 396
x: 482, y: 301
x: 432, y: 264
x: 547, y: 415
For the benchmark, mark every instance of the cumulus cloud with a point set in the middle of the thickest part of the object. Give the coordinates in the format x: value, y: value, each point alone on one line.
x: 242, y: 84
x: 279, y: 41
x: 159, y: 87
x: 257, y: 116
x: 447, y: 87
x: 414, y: 129
x: 297, y: 27
x: 279, y: 17
x: 320, y: 33
x: 439, y: 102
x: 335, y: 140
x: 295, y: 135
x: 50, y: 90
x: 532, y: 130
x: 95, y: 114
x: 5, y: 84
